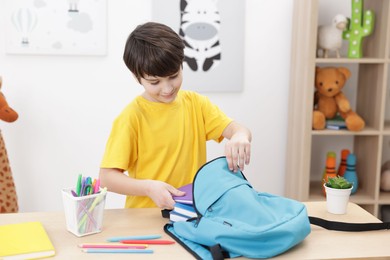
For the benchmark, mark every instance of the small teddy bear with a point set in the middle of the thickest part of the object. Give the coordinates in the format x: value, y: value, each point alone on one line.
x: 329, y: 100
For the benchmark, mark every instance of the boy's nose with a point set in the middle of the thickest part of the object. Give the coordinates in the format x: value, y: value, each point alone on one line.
x: 167, y: 89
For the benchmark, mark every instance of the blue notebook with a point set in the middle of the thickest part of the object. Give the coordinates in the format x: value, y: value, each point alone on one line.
x: 176, y: 217
x: 185, y: 209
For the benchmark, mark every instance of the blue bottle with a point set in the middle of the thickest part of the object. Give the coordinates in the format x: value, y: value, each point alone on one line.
x: 350, y: 173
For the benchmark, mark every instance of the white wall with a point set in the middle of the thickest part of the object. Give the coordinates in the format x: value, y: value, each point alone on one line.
x: 67, y: 104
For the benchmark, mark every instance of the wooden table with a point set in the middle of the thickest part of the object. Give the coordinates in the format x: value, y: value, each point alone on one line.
x: 326, y: 244
x: 320, y: 244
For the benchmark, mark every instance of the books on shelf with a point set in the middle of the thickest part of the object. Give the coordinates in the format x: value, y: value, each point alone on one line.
x: 187, y: 198
x: 336, y: 123
x: 182, y: 212
x: 27, y: 240
x: 335, y: 127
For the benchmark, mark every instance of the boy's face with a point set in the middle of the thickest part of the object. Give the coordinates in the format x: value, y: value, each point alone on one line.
x: 162, y: 89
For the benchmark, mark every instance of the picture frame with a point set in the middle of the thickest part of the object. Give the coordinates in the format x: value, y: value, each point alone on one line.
x: 53, y: 27
x: 214, y: 34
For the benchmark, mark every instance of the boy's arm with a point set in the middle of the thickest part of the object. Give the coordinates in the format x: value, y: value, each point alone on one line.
x: 238, y: 148
x: 160, y: 192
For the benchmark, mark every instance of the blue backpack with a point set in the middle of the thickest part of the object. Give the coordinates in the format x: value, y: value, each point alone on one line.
x: 234, y: 220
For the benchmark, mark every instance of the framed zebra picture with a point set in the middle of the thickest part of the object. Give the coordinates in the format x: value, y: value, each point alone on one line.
x: 213, y: 32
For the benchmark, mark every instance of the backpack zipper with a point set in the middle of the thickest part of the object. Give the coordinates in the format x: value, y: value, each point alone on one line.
x: 199, y: 215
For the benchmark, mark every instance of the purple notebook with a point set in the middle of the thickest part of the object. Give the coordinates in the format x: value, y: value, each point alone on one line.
x: 186, y: 199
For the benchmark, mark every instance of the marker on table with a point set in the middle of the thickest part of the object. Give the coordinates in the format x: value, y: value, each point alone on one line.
x: 145, y: 237
x: 112, y: 245
x: 123, y: 251
x: 148, y: 242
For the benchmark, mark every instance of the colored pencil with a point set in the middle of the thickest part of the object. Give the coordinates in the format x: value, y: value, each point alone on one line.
x: 121, y: 251
x: 117, y: 239
x: 112, y: 245
x: 148, y: 242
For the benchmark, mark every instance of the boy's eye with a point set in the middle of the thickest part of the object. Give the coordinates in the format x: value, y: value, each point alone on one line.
x: 155, y: 82
x: 173, y: 76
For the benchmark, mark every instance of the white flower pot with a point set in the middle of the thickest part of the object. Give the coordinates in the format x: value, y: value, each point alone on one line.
x: 337, y: 200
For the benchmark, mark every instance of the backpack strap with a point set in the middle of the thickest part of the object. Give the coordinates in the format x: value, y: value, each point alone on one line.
x: 165, y: 213
x: 344, y: 226
x: 218, y: 253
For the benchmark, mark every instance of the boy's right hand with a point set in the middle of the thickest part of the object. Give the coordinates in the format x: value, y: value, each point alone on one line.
x: 161, y: 193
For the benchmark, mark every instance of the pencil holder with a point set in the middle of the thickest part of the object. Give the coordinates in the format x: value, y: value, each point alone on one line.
x: 84, y: 214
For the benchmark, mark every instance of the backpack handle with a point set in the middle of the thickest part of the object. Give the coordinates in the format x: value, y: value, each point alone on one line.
x: 345, y: 226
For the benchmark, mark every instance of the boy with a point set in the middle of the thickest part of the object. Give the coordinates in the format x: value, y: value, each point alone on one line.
x: 160, y: 137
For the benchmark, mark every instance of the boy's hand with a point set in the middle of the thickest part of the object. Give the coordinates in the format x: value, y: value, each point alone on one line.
x: 238, y: 148
x: 238, y: 152
x: 161, y: 193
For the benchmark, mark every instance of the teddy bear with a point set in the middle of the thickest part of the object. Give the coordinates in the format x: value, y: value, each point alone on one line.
x: 330, y: 101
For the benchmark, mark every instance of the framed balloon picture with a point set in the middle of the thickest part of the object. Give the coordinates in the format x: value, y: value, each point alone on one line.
x: 213, y: 32
x: 66, y: 27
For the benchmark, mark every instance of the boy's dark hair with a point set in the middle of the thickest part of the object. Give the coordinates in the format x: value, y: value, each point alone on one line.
x: 153, y: 49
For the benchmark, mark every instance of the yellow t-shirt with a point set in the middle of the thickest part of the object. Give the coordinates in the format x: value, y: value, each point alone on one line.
x: 165, y: 142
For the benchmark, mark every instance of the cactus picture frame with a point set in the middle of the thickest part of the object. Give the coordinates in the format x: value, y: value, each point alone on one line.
x: 360, y: 25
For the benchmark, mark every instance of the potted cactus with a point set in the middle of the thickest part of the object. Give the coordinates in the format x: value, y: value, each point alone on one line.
x: 338, y: 191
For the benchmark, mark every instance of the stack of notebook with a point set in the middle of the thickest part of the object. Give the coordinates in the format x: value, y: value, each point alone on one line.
x: 184, y: 207
x: 336, y: 123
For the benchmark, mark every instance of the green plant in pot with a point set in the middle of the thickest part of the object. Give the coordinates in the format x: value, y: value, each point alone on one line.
x: 338, y: 190
x: 338, y: 183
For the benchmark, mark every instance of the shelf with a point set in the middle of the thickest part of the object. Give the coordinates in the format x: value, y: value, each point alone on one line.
x: 360, y: 197
x: 386, y: 129
x: 366, y: 131
x: 384, y: 197
x: 351, y: 61
x: 367, y: 89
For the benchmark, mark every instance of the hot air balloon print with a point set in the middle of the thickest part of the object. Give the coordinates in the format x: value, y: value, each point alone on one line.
x: 73, y: 5
x: 24, y: 21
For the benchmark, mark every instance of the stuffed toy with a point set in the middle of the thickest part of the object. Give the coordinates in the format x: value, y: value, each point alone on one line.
x: 330, y: 37
x: 329, y: 100
x: 8, y: 197
x: 385, y: 176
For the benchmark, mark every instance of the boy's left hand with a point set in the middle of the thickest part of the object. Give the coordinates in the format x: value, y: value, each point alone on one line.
x: 238, y: 151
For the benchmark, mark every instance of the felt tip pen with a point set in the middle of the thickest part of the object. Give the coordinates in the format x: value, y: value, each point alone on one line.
x: 145, y: 237
x: 97, y: 185
x: 120, y: 251
x: 112, y: 245
x: 78, y: 186
x: 148, y: 242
